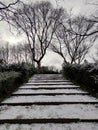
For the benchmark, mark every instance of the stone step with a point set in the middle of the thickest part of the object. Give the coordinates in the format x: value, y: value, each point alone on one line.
x: 58, y: 98
x: 48, y: 88
x: 46, y: 103
x: 47, y: 94
x: 40, y: 91
x: 59, y: 121
x: 70, y: 111
x: 51, y: 126
x: 51, y: 83
x: 47, y: 77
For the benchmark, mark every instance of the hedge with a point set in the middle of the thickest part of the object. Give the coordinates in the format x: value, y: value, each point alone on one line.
x: 9, y: 82
x: 12, y: 76
x: 85, y: 75
x: 47, y: 70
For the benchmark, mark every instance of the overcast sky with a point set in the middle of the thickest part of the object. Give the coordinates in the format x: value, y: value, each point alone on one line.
x: 77, y: 6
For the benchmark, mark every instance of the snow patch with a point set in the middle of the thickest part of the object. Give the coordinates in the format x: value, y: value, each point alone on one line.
x: 71, y: 126
x: 58, y: 111
x: 58, y: 98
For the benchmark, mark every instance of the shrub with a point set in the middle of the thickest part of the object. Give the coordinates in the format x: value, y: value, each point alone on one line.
x: 85, y: 75
x: 26, y: 70
x: 9, y: 82
x: 47, y: 70
x: 13, y: 75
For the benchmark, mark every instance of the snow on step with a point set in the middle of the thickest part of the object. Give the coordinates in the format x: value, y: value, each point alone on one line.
x: 50, y: 83
x: 50, y: 86
x: 30, y: 91
x: 71, y: 126
x: 57, y: 98
x: 49, y: 112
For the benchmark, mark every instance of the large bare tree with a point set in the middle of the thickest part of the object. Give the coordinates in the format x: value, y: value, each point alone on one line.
x: 71, y: 46
x: 39, y: 22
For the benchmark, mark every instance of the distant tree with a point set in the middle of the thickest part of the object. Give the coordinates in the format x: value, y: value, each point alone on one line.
x: 5, y: 9
x: 4, y: 53
x: 39, y: 23
x: 20, y: 53
x: 95, y: 56
x: 27, y: 55
x: 16, y: 54
x: 71, y: 46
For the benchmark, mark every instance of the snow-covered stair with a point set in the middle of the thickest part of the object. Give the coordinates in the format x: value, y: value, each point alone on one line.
x: 49, y: 102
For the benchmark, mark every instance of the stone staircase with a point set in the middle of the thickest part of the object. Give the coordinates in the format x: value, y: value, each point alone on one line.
x: 49, y: 102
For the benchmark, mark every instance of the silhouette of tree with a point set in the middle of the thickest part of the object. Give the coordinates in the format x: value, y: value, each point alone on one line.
x: 39, y: 23
x: 71, y: 46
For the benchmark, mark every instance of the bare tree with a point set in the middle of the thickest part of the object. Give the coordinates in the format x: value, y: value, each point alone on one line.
x: 39, y: 22
x: 5, y: 53
x: 27, y: 55
x: 4, y: 6
x: 16, y: 54
x: 7, y: 8
x: 20, y: 53
x: 94, y: 57
x: 92, y: 19
x: 71, y: 46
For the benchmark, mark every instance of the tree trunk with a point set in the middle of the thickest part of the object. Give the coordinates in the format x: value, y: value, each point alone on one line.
x: 38, y: 64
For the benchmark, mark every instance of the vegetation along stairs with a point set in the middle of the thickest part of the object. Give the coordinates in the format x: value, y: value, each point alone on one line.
x: 49, y: 102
